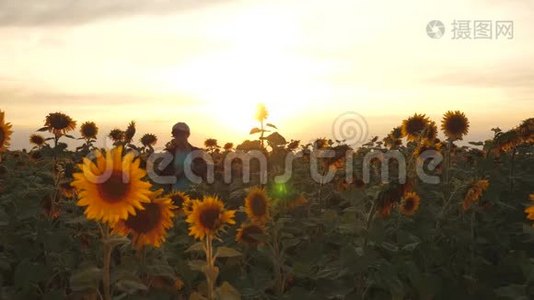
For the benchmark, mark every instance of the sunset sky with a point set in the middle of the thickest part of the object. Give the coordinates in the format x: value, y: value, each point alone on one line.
x: 209, y: 63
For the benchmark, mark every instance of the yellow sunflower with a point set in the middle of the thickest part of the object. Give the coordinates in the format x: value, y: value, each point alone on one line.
x: 257, y: 205
x: 474, y: 192
x: 409, y: 204
x: 148, y: 226
x: 249, y: 233
x: 180, y: 200
x: 5, y: 133
x: 261, y: 112
x: 59, y: 123
x: 37, y: 139
x: 455, y: 125
x: 88, y: 130
x: 112, y: 187
x: 414, y: 126
x: 207, y: 217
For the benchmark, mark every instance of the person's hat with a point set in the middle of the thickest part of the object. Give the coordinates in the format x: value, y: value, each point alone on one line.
x: 180, y: 126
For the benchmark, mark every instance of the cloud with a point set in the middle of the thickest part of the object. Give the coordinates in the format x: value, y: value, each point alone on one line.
x: 72, y: 12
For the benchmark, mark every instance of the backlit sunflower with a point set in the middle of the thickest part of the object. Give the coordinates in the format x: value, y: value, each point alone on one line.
x: 88, y: 130
x: 530, y: 210
x: 179, y: 199
x: 257, y: 205
x: 431, y: 131
x: 112, y: 188
x: 116, y: 135
x: 228, y: 146
x: 409, y: 204
x: 249, y: 234
x: 59, y: 123
x: 207, y: 217
x: 455, y: 125
x: 261, y: 112
x: 129, y: 132
x: 414, y: 126
x: 149, y: 139
x: 37, y: 139
x: 474, y: 192
x: 148, y: 226
x: 5, y: 133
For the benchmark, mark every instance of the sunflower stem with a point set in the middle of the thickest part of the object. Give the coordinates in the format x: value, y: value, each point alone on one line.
x: 368, y: 222
x: 108, y: 248
x: 210, y: 267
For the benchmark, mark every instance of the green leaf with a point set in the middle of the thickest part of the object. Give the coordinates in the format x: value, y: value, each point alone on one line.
x: 227, y: 292
x: 271, y: 125
x: 130, y: 286
x: 70, y: 136
x: 196, y: 247
x: 255, y: 130
x: 116, y: 241
x: 43, y: 129
x: 85, y: 279
x: 197, y: 265
x: 227, y: 252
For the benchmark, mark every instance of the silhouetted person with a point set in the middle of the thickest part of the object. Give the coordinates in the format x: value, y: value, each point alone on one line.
x: 180, y: 148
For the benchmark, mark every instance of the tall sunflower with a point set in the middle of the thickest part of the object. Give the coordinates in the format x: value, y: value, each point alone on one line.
x: 112, y: 187
x: 474, y: 192
x: 88, y: 130
x: 414, y: 126
x: 249, y: 234
x: 261, y: 112
x: 148, y: 226
x: 455, y: 125
x: 59, y: 123
x: 207, y: 217
x: 409, y: 204
x: 257, y: 205
x: 5, y: 133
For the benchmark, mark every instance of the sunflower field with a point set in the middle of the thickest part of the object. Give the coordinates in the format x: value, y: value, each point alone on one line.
x: 90, y: 223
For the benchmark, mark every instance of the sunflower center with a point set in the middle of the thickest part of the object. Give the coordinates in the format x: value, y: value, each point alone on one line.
x: 2, y: 136
x: 409, y: 204
x: 209, y: 218
x: 415, y: 126
x: 258, y: 206
x: 145, y: 220
x: 114, y: 189
x: 60, y: 123
x: 177, y: 200
x: 456, y: 125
